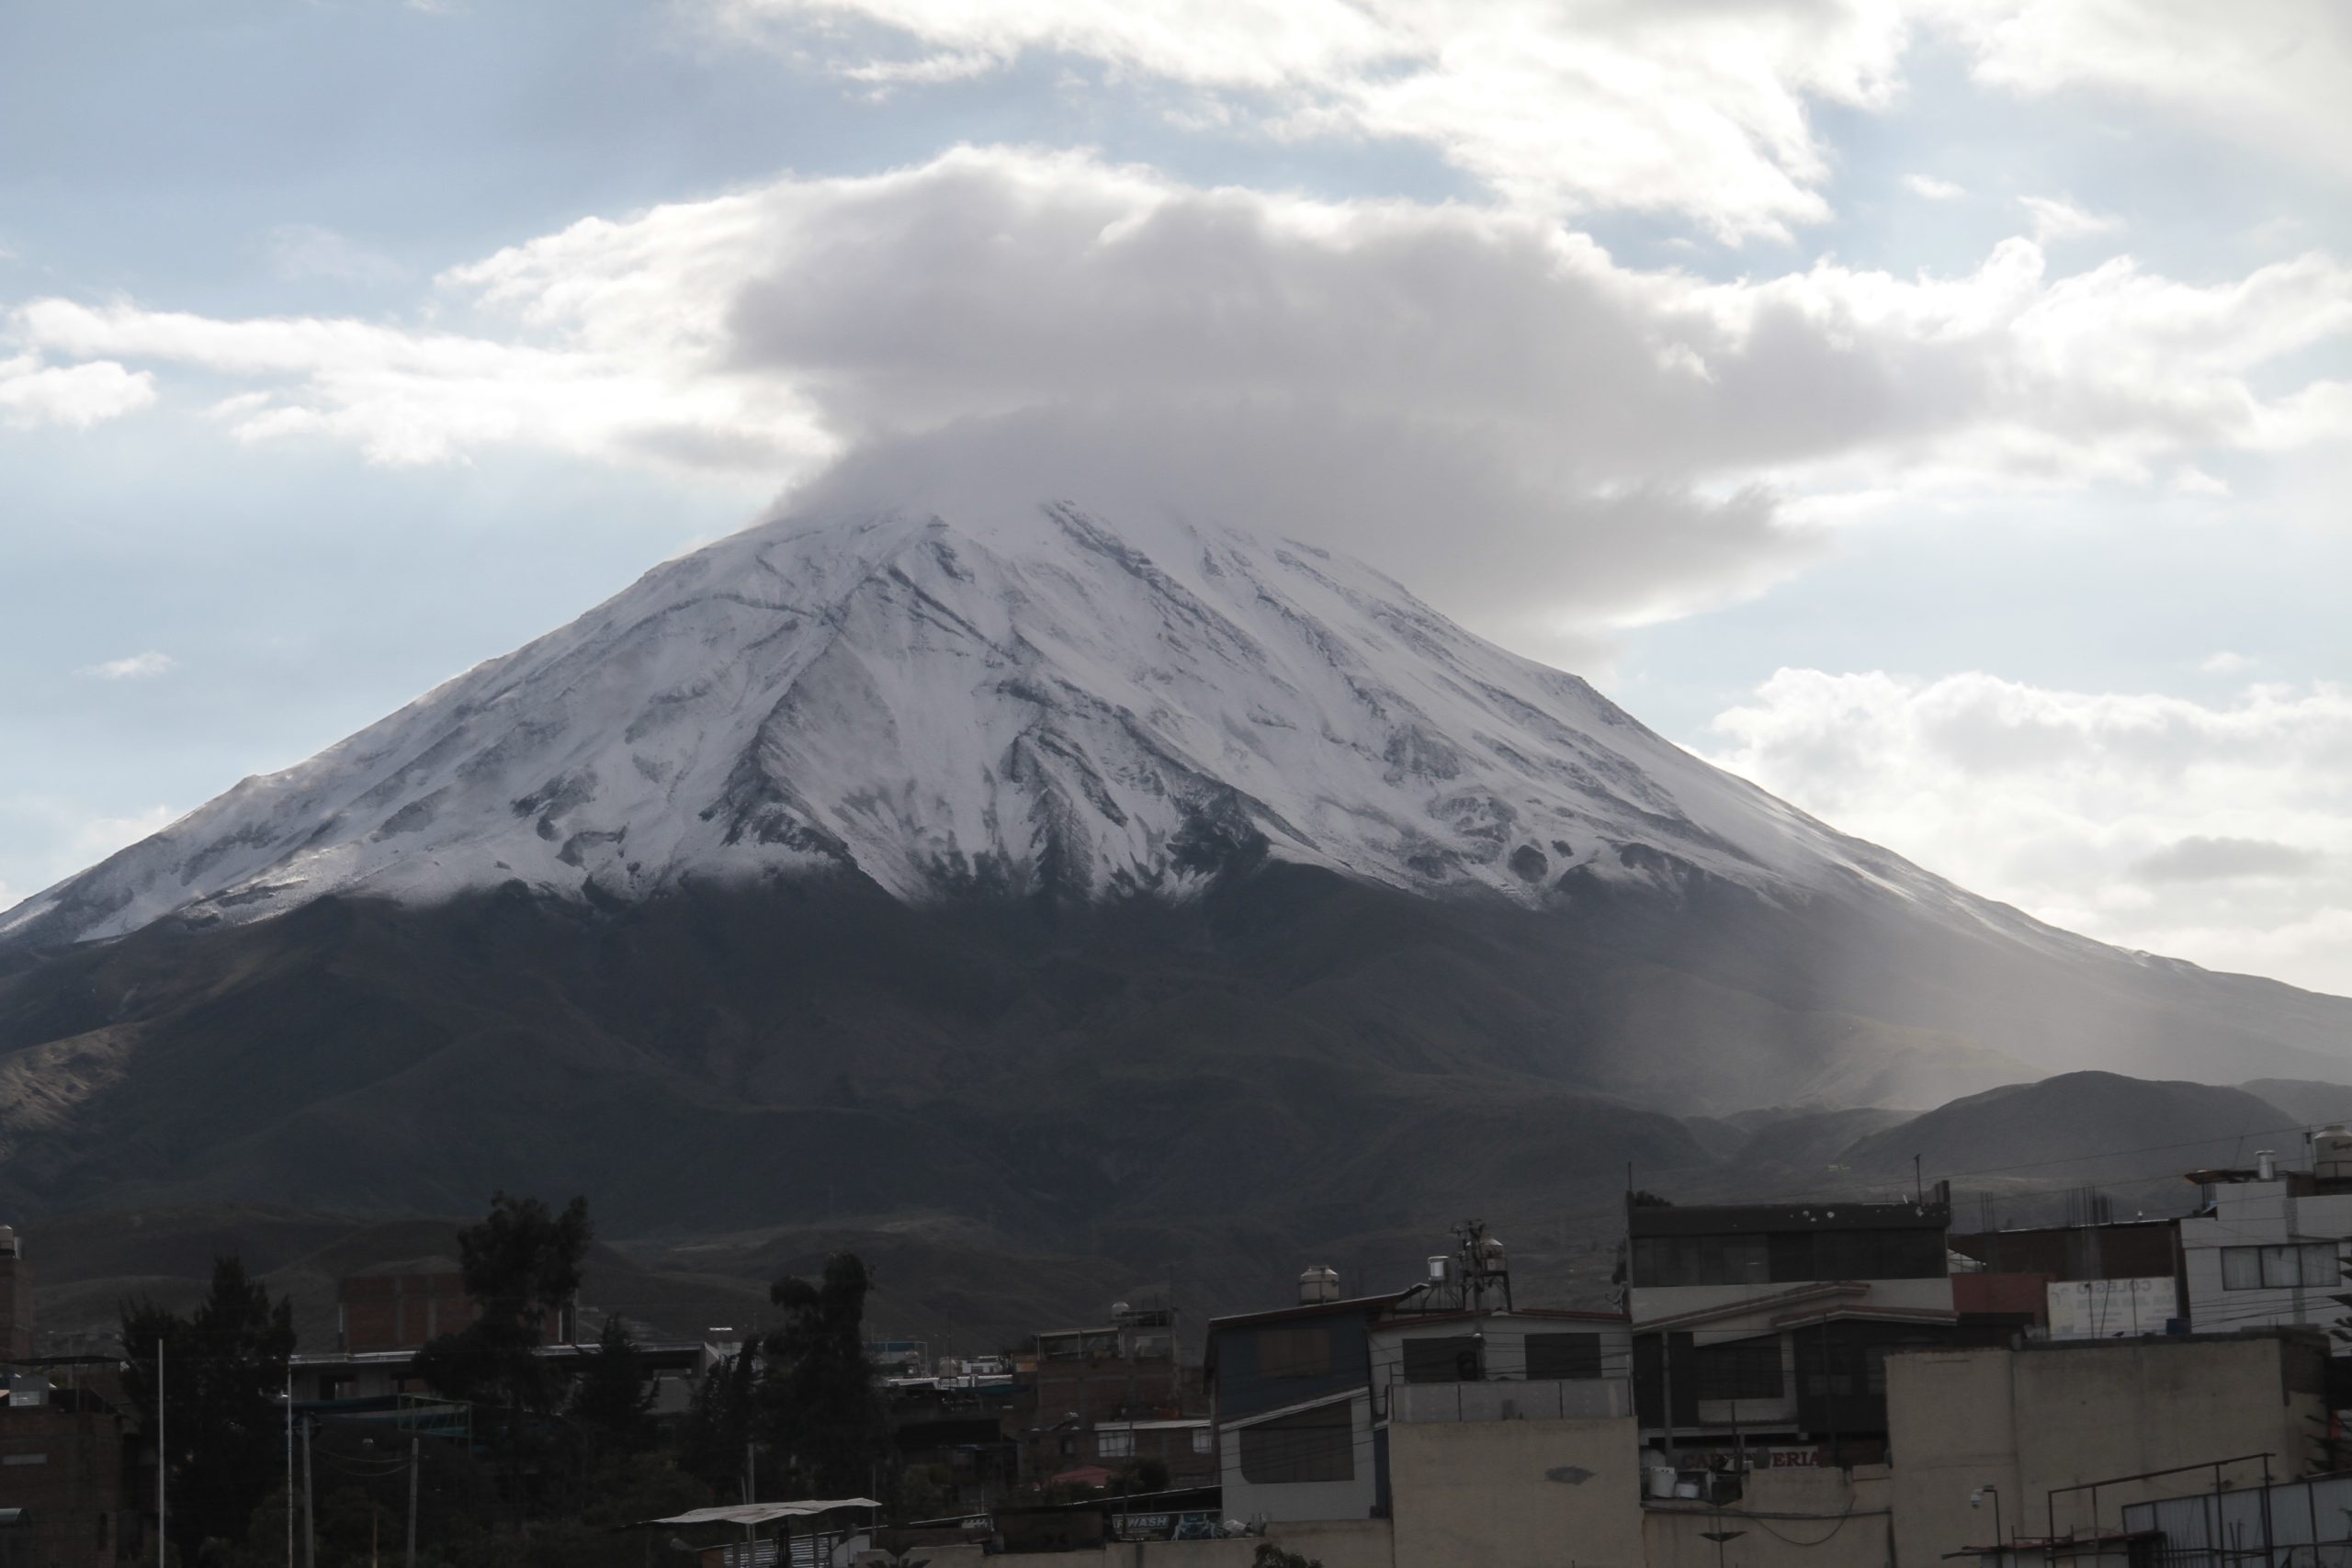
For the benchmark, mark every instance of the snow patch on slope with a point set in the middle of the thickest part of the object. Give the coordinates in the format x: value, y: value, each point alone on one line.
x: 1009, y: 703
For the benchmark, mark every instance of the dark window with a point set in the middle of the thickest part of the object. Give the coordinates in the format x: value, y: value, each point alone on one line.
x: 1740, y: 1369
x: 1563, y: 1356
x: 1314, y: 1444
x: 1294, y: 1352
x: 1442, y: 1360
x: 1788, y: 1257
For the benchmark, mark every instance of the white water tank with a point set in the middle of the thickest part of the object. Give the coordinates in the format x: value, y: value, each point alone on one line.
x: 1441, y: 1268
x: 1318, y: 1284
x: 2332, y: 1153
x: 2265, y: 1165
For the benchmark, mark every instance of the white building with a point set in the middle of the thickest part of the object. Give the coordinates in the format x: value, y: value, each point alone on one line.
x: 2269, y: 1248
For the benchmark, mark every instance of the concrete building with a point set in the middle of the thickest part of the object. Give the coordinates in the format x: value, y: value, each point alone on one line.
x: 1763, y: 1329
x: 1297, y: 1434
x: 72, y: 1481
x: 2267, y: 1248
x: 1812, y: 1516
x: 399, y: 1306
x: 15, y: 1297
x: 1485, y: 1430
x: 1518, y: 1492
x: 1997, y: 1445
x: 1106, y: 1398
x: 2107, y: 1279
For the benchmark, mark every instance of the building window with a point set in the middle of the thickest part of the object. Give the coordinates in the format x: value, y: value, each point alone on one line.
x: 1294, y: 1352
x: 1453, y: 1360
x: 1203, y: 1440
x: 1740, y: 1369
x: 1111, y: 1443
x: 1314, y: 1444
x: 2307, y: 1264
x: 1788, y: 1257
x: 1563, y: 1357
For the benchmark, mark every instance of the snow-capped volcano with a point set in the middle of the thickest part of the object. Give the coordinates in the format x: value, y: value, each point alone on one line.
x: 1013, y: 704
x: 1085, y: 876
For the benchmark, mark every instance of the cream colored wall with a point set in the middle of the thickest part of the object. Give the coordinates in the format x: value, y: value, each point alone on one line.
x: 1952, y: 1427
x: 1353, y: 1498
x: 1843, y: 1523
x: 1505, y: 1494
x: 1359, y: 1543
x: 2033, y: 1421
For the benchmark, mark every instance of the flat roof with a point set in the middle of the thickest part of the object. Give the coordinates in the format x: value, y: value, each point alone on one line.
x: 1359, y: 1304
x: 1758, y: 1219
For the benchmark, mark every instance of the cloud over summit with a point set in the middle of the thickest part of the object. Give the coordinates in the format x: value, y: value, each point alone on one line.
x: 1426, y: 385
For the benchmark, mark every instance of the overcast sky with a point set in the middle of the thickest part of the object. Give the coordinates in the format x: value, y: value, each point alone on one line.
x: 1940, y: 414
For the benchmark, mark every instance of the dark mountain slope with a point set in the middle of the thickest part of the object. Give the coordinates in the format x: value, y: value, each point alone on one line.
x: 2083, y: 1127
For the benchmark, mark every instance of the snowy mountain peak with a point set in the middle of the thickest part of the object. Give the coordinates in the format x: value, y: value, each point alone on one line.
x: 1014, y: 703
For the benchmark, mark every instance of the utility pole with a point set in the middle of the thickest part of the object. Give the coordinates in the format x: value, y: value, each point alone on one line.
x: 413, y: 1454
x: 290, y: 1467
x: 163, y: 1454
x: 310, y: 1515
x: 751, y: 1495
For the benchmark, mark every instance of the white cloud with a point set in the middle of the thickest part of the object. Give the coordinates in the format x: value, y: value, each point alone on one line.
x: 2274, y: 76
x: 299, y: 252
x: 2228, y: 663
x: 2217, y: 833
x: 2057, y: 220
x: 74, y: 396
x: 1604, y: 445
x: 1933, y: 188
x: 411, y: 396
x: 136, y: 667
x: 1702, y: 111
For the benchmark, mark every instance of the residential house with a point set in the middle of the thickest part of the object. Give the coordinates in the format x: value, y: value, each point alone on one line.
x: 2099, y: 1281
x: 400, y: 1307
x: 2268, y: 1247
x: 1477, y: 1424
x: 72, y: 1481
x: 2033, y: 1450
x: 1764, y: 1327
x: 1102, y: 1398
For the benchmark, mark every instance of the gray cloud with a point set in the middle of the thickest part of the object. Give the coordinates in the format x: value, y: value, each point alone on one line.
x: 1464, y: 515
x: 2198, y: 859
x: 1551, y: 443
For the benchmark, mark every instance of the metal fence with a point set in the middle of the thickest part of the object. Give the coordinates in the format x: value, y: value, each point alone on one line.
x: 2291, y: 1524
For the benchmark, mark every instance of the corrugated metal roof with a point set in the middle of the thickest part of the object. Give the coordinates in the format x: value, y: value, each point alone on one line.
x: 762, y: 1513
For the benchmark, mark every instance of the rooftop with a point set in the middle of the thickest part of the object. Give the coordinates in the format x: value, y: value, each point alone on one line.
x: 1757, y: 1219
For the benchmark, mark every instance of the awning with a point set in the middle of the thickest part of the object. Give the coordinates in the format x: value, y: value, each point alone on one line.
x: 762, y: 1513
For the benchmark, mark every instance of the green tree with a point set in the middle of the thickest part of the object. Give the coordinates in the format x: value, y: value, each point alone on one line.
x: 1269, y: 1555
x: 224, y: 1368
x: 826, y: 1417
x: 718, y: 1422
x: 612, y: 1399
x: 521, y: 1264
x: 1145, y: 1472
